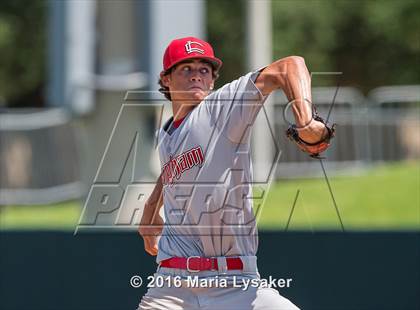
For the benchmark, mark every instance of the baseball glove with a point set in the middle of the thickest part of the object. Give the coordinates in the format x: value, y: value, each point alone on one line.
x: 313, y: 149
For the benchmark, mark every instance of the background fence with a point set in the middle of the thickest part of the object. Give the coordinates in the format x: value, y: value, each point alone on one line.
x: 383, y: 126
x: 40, y: 151
x: 39, y: 157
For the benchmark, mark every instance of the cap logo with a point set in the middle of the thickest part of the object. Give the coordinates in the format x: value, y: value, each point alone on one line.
x: 190, y: 48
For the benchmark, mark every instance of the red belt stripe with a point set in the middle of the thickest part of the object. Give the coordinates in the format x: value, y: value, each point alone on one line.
x: 196, y: 264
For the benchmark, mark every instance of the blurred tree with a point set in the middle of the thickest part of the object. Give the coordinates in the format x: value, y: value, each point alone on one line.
x: 373, y: 43
x: 22, y: 52
x: 226, y: 32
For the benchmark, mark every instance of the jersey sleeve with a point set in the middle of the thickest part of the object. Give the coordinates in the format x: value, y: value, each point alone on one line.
x: 234, y: 107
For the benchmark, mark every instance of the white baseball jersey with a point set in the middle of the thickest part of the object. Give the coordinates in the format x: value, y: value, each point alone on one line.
x: 207, y: 176
x: 207, y: 195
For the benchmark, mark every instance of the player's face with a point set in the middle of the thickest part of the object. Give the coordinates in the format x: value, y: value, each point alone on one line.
x: 190, y: 82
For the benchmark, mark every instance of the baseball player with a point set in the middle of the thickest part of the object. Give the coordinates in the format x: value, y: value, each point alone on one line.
x: 209, y: 233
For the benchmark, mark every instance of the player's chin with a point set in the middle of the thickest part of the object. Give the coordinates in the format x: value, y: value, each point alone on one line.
x: 198, y: 95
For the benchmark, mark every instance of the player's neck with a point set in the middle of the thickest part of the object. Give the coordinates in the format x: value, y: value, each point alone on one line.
x: 180, y: 110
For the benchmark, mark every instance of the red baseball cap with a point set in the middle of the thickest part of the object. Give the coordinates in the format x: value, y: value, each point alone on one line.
x: 186, y: 48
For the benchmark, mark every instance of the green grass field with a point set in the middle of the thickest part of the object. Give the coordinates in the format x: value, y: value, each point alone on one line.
x: 385, y: 197
x: 382, y: 198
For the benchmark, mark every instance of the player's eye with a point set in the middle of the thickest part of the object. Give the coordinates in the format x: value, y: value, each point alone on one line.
x: 186, y: 68
x: 204, y: 70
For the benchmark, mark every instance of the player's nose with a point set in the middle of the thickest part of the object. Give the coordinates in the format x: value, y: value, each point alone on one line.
x: 195, y: 78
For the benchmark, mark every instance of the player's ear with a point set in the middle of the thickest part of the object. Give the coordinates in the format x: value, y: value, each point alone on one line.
x: 165, y: 78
